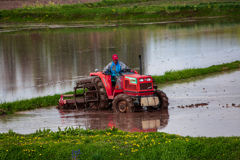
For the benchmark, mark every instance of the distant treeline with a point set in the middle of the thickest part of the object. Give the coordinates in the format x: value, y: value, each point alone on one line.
x: 119, y: 10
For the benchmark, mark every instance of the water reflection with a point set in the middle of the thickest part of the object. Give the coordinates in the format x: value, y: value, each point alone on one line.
x: 45, y: 62
x: 133, y: 122
x: 29, y: 121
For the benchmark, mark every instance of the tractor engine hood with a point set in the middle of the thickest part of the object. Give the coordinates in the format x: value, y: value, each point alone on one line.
x: 138, y: 85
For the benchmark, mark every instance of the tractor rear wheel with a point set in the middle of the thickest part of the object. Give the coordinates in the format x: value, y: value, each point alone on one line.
x: 103, y: 98
x: 163, y: 100
x: 122, y: 103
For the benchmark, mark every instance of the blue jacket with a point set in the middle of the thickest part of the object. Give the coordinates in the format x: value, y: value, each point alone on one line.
x: 115, y: 68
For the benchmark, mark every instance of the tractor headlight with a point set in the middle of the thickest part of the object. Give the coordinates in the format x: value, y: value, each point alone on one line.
x: 148, y: 79
x: 141, y: 80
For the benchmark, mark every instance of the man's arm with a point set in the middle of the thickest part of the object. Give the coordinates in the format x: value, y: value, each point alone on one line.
x: 123, y: 66
x: 107, y: 68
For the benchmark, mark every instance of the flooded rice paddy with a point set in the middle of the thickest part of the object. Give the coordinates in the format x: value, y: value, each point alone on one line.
x: 48, y: 61
x: 216, y: 110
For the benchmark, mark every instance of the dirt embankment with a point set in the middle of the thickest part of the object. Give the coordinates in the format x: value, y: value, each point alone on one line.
x: 12, y: 4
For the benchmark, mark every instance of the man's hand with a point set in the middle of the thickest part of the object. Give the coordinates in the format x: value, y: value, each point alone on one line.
x: 107, y: 72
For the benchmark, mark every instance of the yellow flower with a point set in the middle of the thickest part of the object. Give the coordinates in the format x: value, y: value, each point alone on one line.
x: 113, y: 10
x: 40, y: 154
x: 120, y: 154
x: 7, y: 150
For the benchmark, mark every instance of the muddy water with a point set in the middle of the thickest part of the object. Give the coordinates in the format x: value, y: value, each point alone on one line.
x: 219, y: 118
x: 217, y: 112
x: 47, y: 61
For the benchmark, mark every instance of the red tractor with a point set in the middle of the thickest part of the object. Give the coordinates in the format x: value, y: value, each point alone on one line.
x: 131, y: 92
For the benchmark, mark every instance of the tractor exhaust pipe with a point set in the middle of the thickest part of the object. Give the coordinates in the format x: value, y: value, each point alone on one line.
x: 140, y: 64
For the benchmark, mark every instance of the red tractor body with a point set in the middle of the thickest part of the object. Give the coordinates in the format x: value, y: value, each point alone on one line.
x: 132, y: 84
x: 128, y: 91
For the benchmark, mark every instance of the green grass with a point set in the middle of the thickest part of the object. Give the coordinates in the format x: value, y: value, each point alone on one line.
x: 169, y: 76
x: 189, y: 73
x: 33, y: 103
x: 120, y: 10
x: 114, y: 144
x: 21, y: 105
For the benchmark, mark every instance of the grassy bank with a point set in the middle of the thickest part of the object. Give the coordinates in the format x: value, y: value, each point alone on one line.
x: 169, y: 76
x: 21, y: 105
x: 121, y: 10
x: 114, y: 144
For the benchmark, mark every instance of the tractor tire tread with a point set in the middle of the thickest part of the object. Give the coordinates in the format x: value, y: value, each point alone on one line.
x: 163, y: 98
x: 122, y: 97
x: 103, y: 98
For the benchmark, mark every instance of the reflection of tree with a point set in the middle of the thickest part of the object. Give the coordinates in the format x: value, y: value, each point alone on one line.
x: 133, y: 122
x: 7, y: 65
x: 40, y: 57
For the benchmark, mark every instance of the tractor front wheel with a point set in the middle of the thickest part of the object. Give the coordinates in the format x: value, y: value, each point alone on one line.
x: 122, y: 103
x: 163, y: 100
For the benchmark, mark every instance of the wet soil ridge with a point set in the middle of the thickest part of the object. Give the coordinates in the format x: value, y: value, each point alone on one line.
x: 115, y: 144
x: 11, y: 107
x: 194, y: 105
x: 205, y: 104
x: 231, y: 105
x: 118, y: 10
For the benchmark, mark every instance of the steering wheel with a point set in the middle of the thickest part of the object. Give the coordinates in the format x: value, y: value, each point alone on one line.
x: 125, y: 70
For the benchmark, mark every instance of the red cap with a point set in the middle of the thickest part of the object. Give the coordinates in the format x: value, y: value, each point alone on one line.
x: 114, y: 57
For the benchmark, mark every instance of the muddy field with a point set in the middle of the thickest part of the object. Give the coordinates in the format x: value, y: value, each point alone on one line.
x: 204, y: 107
x: 209, y: 107
x: 7, y: 4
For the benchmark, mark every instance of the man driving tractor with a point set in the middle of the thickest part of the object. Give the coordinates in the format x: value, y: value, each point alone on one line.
x: 118, y: 87
x: 114, y: 67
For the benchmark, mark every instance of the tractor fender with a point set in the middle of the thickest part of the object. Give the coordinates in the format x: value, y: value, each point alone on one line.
x: 106, y: 80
